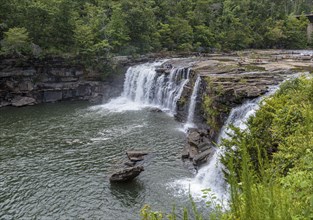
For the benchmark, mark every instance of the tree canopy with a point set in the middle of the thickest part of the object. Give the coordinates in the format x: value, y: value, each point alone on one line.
x: 100, y: 27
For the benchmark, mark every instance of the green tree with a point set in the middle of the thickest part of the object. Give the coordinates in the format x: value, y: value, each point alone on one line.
x: 141, y: 21
x: 16, y: 42
x: 294, y: 31
x: 117, y: 31
x: 204, y: 38
x: 89, y: 31
x: 181, y: 34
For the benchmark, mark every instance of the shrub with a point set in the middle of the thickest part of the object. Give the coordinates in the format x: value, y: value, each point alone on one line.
x: 16, y: 42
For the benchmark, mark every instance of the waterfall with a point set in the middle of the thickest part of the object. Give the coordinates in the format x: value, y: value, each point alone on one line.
x: 144, y: 86
x: 192, y: 105
x: 211, y: 176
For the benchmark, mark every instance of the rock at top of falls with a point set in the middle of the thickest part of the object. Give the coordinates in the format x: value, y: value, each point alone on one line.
x: 145, y: 85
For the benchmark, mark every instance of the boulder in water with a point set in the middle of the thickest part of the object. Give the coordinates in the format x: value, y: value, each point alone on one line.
x: 136, y: 153
x: 126, y: 174
x: 202, y: 157
x: 130, y: 164
x: 155, y: 110
x: 135, y: 156
x: 204, y: 146
x: 185, y: 153
x: 136, y: 159
x: 199, y: 147
x: 194, y: 138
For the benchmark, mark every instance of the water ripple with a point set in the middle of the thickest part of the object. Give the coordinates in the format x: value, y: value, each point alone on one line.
x: 56, y: 159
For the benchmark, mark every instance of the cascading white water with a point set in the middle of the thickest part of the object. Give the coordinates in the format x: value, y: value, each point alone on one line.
x: 143, y: 86
x: 211, y: 176
x: 192, y: 105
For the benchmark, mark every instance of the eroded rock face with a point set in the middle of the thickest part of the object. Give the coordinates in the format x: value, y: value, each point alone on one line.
x: 52, y: 80
x: 126, y: 174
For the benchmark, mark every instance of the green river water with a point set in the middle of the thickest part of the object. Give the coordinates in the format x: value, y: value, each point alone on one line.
x: 56, y: 159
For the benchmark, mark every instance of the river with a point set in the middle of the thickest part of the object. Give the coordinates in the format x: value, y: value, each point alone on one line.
x: 56, y: 159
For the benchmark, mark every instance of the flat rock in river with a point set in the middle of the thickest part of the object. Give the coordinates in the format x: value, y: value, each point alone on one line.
x: 136, y: 153
x: 126, y: 174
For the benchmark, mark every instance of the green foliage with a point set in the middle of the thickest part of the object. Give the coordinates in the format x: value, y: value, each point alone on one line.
x: 270, y: 164
x: 212, y: 107
x: 210, y: 112
x: 132, y: 27
x: 181, y: 33
x: 147, y: 214
x: 294, y: 29
x: 117, y: 31
x: 192, y: 213
x: 16, y: 42
x: 204, y: 38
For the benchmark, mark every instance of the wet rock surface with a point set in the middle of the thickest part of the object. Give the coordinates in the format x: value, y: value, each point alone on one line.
x: 157, y: 110
x: 130, y: 170
x: 198, y: 148
x: 126, y: 174
x: 135, y: 156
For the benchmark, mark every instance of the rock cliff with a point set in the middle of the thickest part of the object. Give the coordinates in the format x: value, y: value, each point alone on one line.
x: 31, y: 81
x: 228, y: 80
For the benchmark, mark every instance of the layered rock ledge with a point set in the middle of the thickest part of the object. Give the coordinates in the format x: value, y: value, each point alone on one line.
x: 228, y: 80
x: 32, y: 81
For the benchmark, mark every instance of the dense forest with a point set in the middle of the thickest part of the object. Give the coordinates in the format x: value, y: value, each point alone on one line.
x: 127, y: 27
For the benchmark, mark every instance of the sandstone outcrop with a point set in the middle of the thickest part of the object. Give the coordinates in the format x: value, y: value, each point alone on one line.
x: 20, y: 101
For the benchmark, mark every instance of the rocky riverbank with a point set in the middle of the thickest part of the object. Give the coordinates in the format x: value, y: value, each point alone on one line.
x: 31, y: 81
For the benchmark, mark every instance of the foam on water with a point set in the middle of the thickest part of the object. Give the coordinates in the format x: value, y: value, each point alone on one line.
x: 120, y: 104
x: 145, y: 87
